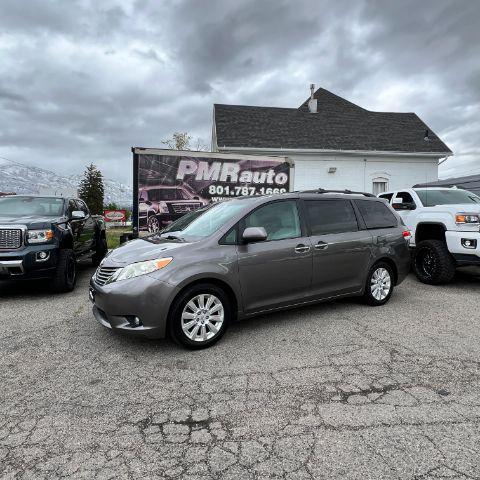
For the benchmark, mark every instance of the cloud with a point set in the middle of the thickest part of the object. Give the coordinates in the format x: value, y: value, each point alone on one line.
x: 84, y: 81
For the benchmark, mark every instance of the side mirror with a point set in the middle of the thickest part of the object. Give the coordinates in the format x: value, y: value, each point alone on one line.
x: 77, y: 215
x: 254, y: 234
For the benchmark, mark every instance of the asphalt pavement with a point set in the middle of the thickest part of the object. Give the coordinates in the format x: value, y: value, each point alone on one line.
x: 336, y: 390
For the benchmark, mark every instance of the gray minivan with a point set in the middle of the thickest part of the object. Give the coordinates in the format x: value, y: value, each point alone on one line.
x: 248, y: 256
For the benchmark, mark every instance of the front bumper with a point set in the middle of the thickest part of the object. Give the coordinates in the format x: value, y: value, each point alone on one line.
x: 24, y: 263
x: 117, y: 305
x: 463, y: 255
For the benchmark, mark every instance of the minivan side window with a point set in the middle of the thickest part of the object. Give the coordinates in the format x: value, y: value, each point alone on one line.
x: 376, y: 214
x: 230, y: 238
x: 330, y: 216
x: 279, y: 219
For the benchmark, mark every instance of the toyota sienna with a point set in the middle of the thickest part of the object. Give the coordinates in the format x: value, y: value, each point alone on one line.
x: 248, y: 256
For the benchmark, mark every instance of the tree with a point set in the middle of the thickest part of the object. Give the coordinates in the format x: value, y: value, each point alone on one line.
x: 182, y: 141
x: 112, y: 206
x: 91, y: 189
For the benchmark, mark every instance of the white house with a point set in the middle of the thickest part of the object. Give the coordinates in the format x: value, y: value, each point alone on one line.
x: 334, y: 143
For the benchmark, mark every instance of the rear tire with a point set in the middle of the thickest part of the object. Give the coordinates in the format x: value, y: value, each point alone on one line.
x: 432, y: 262
x: 101, y: 250
x: 379, y: 286
x: 66, y: 272
x: 200, y: 316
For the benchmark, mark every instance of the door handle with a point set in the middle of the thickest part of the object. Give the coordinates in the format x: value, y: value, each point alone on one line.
x: 302, y: 248
x: 321, y: 246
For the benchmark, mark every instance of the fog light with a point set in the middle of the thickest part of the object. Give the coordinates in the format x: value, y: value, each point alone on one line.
x: 133, y: 321
x: 42, y: 256
x: 469, y: 243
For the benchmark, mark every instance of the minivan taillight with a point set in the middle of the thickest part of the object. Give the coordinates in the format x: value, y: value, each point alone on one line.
x: 407, y: 234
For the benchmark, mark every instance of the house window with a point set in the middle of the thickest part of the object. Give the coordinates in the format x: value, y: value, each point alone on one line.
x: 380, y: 185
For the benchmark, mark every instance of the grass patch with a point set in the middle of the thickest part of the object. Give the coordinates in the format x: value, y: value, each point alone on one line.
x: 113, y: 235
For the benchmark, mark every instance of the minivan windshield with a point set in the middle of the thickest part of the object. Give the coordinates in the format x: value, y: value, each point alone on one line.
x: 430, y: 197
x: 42, y: 206
x: 213, y: 219
x: 208, y: 222
x: 182, y: 222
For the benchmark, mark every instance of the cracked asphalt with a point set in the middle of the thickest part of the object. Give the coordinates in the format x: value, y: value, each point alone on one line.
x: 337, y: 390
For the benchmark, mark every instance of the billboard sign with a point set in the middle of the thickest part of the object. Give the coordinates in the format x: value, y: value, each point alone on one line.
x: 115, y: 215
x: 169, y: 183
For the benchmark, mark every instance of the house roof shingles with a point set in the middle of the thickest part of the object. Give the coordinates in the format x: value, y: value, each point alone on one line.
x: 338, y: 125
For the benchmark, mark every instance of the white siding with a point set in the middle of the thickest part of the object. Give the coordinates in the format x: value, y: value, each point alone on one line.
x: 357, y: 172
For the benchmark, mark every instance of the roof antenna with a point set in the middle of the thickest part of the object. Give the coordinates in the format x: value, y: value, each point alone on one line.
x: 312, y: 102
x: 426, y: 137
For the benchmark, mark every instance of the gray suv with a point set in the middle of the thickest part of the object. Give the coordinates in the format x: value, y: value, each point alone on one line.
x: 248, y: 256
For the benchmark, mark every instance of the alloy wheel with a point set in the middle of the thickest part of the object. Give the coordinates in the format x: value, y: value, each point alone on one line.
x: 427, y: 262
x: 380, y: 284
x: 202, y: 317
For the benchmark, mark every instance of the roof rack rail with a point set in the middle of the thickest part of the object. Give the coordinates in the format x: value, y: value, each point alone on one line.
x: 348, y: 192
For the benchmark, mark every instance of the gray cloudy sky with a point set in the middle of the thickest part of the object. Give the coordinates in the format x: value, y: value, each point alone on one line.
x: 83, y: 80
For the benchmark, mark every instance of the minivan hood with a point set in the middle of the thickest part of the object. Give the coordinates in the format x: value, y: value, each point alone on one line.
x: 141, y: 250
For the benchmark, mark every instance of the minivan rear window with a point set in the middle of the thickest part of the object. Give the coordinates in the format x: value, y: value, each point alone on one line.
x: 376, y: 214
x: 331, y: 216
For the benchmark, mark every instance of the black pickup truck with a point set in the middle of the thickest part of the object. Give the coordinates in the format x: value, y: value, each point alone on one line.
x: 44, y: 237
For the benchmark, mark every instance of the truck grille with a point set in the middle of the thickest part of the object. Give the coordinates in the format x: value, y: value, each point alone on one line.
x: 103, y: 274
x: 185, y: 207
x: 10, y: 238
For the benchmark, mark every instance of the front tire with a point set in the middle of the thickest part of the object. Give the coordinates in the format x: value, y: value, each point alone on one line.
x: 101, y: 250
x: 379, y: 286
x: 66, y: 272
x: 432, y: 262
x: 200, y: 316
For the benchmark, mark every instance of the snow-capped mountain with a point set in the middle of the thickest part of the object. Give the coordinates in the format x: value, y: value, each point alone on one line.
x: 24, y: 179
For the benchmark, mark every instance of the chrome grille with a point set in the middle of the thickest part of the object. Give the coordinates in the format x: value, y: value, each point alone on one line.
x: 10, y: 238
x: 185, y: 207
x: 103, y: 274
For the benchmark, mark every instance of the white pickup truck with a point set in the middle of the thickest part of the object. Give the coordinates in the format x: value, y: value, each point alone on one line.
x: 445, y: 227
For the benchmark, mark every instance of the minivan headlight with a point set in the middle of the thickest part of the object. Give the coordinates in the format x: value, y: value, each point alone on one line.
x: 140, y: 268
x: 467, y: 218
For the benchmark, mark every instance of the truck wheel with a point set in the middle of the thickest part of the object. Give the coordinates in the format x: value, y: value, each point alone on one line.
x: 101, y: 250
x: 65, y: 273
x: 200, y: 316
x: 153, y: 224
x: 379, y: 286
x: 432, y: 262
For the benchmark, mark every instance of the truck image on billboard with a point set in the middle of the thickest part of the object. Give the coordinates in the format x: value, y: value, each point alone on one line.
x: 170, y: 183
